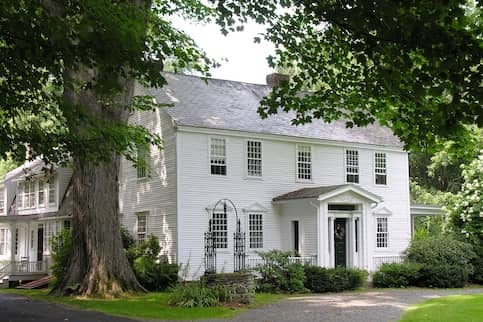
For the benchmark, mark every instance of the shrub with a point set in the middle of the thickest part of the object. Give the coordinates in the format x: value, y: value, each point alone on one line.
x: 396, y: 275
x: 320, y: 279
x: 154, y: 274
x: 279, y: 274
x: 441, y: 250
x: 443, y: 276
x: 61, y: 246
x: 195, y: 294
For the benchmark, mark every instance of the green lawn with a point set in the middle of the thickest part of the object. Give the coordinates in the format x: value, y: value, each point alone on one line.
x: 149, y: 306
x: 455, y: 308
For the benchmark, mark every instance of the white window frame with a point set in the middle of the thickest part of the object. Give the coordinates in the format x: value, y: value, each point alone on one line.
x: 51, y: 228
x: 52, y: 192
x: 299, y: 163
x: 251, y: 156
x: 41, y: 185
x: 139, y: 232
x: 219, y: 229
x: 2, y: 200
x: 30, y: 196
x: 3, y: 241
x: 382, y: 232
x: 380, y: 170
x: 219, y: 157
x: 352, y: 166
x: 255, y: 230
x: 142, y: 168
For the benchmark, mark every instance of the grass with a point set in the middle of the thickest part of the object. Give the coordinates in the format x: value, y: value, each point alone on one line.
x: 147, y: 306
x: 454, y: 308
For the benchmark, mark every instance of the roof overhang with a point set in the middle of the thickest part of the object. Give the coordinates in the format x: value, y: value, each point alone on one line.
x: 426, y: 210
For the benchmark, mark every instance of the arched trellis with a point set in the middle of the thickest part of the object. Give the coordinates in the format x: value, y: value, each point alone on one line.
x: 239, y: 243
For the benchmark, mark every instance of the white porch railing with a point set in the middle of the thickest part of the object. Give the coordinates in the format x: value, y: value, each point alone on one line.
x: 22, y: 268
x: 253, y: 262
x: 391, y: 259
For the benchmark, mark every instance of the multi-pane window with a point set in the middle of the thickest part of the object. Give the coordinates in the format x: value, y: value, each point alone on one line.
x: 143, y: 162
x: 41, y: 193
x: 380, y: 168
x: 304, y: 162
x: 28, y: 194
x: 218, y: 156
x: 51, y: 228
x: 3, y: 241
x: 219, y: 229
x: 254, y: 158
x: 255, y: 228
x: 142, y: 226
x: 51, y: 188
x: 352, y: 166
x: 2, y: 201
x: 382, y: 233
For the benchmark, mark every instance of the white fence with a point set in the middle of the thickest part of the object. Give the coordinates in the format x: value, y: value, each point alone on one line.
x: 379, y: 260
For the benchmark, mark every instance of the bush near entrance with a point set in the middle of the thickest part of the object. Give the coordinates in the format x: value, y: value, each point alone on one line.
x: 320, y: 279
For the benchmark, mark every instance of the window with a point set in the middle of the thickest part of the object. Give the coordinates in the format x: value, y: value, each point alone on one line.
x: 3, y: 241
x: 352, y: 166
x: 28, y: 194
x: 143, y: 162
x: 32, y: 239
x: 41, y: 194
x: 304, y: 162
x: 51, y: 229
x: 254, y: 158
x: 2, y: 200
x: 218, y: 156
x: 52, y: 192
x: 255, y: 228
x: 142, y: 226
x: 382, y: 233
x: 380, y: 168
x: 219, y: 228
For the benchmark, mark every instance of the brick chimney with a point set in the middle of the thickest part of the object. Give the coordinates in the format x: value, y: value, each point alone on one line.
x: 274, y: 79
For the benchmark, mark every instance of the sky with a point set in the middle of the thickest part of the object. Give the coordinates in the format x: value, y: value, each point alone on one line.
x: 246, y: 59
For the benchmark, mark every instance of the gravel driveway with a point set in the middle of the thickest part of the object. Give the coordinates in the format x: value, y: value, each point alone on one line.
x: 370, y: 306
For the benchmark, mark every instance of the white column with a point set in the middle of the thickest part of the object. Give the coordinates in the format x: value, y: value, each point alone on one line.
x: 323, y: 238
x: 12, y: 228
x: 319, y: 239
x: 330, y: 241
x: 354, y: 261
x: 365, y: 236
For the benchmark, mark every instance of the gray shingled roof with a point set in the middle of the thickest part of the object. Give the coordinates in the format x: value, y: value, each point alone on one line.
x: 230, y: 105
x: 308, y: 192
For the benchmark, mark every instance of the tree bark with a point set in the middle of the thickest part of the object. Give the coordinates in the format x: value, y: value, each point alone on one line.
x: 98, y: 266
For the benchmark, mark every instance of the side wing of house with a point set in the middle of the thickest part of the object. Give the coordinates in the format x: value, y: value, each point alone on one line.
x: 148, y: 194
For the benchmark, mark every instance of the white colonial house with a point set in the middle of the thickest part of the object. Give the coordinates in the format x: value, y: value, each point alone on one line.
x: 336, y: 196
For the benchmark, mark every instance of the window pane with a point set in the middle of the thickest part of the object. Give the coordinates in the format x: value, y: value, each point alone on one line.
x: 52, y: 191
x: 219, y: 229
x: 218, y: 156
x: 352, y: 166
x: 2, y: 200
x: 380, y: 168
x: 143, y: 162
x: 382, y: 233
x: 254, y: 158
x: 41, y: 194
x: 255, y: 228
x: 304, y: 162
x: 141, y: 226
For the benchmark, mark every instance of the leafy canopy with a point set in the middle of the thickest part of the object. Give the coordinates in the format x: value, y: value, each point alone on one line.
x: 413, y: 66
x: 43, y: 42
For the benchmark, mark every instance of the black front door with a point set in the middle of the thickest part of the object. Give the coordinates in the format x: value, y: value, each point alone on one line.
x: 340, y: 242
x: 40, y: 244
x: 296, y: 236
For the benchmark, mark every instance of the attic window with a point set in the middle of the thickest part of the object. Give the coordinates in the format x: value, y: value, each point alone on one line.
x: 2, y: 200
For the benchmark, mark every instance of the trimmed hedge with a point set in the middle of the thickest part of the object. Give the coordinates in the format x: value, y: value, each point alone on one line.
x: 443, y: 276
x: 414, y: 274
x: 397, y: 275
x: 320, y: 279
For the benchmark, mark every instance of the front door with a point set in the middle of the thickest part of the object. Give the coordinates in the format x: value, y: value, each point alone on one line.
x: 40, y: 243
x: 340, y: 243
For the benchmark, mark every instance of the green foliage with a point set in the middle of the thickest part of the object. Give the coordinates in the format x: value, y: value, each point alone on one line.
x: 442, y: 250
x: 397, y: 275
x: 195, y: 294
x: 7, y: 165
x: 153, y: 273
x: 279, y: 273
x: 443, y: 276
x: 127, y: 239
x: 320, y: 279
x: 61, y: 246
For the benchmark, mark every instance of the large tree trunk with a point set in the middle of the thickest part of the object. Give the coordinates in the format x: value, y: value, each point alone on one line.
x: 98, y: 266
